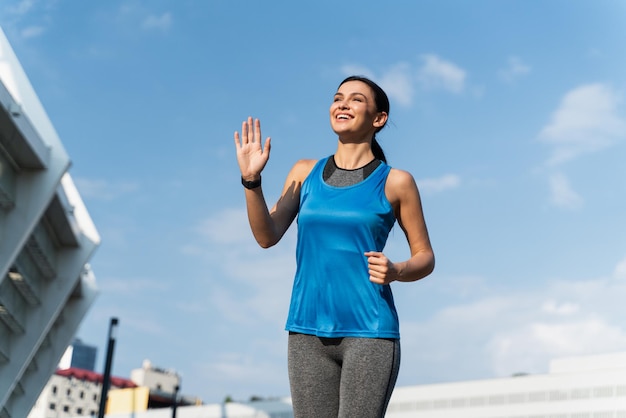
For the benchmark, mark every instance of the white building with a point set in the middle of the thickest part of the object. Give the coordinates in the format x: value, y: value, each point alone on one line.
x: 154, y: 378
x: 576, y: 387
x: 46, y: 240
x: 73, y: 392
x: 76, y: 392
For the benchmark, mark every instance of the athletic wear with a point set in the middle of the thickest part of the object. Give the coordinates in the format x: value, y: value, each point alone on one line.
x: 340, y: 177
x: 342, y: 377
x: 332, y: 295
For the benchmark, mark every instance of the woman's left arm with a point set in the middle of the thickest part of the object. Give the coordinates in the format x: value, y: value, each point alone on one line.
x: 403, y: 194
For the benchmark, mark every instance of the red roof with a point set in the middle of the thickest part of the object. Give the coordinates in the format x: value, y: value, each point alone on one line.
x: 82, y: 374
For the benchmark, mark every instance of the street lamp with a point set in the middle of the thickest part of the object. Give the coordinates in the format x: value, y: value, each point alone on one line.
x: 175, y: 404
x: 106, y: 379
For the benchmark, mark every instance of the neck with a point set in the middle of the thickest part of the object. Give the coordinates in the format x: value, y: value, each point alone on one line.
x: 352, y: 156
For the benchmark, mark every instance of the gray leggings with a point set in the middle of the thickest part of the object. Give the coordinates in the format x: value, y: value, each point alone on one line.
x: 341, y: 377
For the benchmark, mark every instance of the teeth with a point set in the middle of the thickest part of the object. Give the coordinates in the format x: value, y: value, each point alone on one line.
x: 342, y: 117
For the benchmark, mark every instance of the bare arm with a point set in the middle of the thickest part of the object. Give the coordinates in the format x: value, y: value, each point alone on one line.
x: 403, y: 194
x: 268, y: 226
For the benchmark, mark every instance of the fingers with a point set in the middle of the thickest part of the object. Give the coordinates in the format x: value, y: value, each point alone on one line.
x: 250, y: 132
x: 378, y: 267
x: 237, y: 144
x: 257, y: 130
x: 377, y: 263
x: 245, y: 134
x: 374, y: 257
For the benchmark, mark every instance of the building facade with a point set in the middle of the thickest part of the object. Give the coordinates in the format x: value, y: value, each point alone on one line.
x: 575, y: 387
x: 79, y: 356
x: 157, y: 390
x: 157, y: 379
x: 76, y: 392
x: 46, y: 240
x: 73, y: 392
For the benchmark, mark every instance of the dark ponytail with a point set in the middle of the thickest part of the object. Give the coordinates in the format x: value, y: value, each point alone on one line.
x: 382, y: 105
x: 378, y: 150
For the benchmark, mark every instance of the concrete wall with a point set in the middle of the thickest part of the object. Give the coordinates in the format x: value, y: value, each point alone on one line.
x: 46, y: 240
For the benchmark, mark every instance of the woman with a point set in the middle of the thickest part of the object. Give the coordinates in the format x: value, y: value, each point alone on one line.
x: 344, y: 350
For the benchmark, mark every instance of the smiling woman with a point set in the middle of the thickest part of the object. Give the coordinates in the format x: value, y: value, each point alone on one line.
x: 344, y: 347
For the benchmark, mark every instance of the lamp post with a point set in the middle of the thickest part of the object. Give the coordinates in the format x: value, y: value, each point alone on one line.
x: 175, y: 403
x: 106, y: 379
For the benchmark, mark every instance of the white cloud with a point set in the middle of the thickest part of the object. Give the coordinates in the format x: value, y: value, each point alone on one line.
x: 397, y: 84
x: 446, y: 182
x: 354, y: 69
x: 530, y: 347
x: 552, y: 306
x: 32, y: 31
x: 265, y: 275
x: 104, y: 190
x: 22, y: 7
x: 620, y: 270
x: 128, y: 286
x: 162, y: 22
x: 586, y: 120
x: 438, y: 73
x: 515, y: 68
x: 562, y: 194
x: 396, y: 81
x: 505, y: 333
x: 399, y: 80
x: 234, y: 369
x: 229, y: 226
x: 15, y: 13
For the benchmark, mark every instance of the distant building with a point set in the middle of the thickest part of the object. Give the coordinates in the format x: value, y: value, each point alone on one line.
x: 156, y: 379
x: 46, y: 241
x: 576, y: 387
x: 73, y: 392
x: 79, y: 356
x: 156, y: 389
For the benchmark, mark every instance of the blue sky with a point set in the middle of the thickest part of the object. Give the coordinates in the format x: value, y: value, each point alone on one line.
x: 510, y: 115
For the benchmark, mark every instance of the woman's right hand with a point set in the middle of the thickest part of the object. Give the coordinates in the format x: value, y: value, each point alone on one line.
x: 251, y: 155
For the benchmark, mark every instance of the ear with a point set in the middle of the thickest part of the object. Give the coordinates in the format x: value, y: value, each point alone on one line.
x: 380, y: 119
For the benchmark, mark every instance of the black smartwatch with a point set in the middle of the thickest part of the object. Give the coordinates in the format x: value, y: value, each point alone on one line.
x: 251, y: 184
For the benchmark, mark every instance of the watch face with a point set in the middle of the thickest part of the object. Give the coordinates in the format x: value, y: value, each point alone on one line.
x: 251, y: 184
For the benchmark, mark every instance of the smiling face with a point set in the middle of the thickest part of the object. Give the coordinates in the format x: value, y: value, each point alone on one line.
x: 354, y: 113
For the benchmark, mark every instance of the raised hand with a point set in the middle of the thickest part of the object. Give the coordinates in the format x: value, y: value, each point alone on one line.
x: 251, y: 154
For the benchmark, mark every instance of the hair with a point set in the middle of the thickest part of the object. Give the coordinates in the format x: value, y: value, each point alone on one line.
x: 382, y: 105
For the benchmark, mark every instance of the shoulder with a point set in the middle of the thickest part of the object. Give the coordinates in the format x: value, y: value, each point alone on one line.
x: 400, y: 185
x: 301, y: 169
x: 400, y: 179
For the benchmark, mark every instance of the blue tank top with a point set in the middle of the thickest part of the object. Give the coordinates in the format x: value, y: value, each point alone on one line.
x: 332, y: 295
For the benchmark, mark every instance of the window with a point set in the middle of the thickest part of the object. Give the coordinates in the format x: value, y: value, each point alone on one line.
x: 601, y: 392
x: 537, y: 396
x: 53, y: 406
x: 66, y: 408
x: 79, y: 411
x: 54, y: 390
